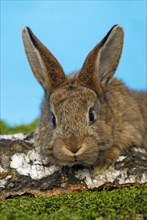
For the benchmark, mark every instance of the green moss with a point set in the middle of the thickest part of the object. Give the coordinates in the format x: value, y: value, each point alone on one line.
x: 121, y: 204
x: 7, y: 129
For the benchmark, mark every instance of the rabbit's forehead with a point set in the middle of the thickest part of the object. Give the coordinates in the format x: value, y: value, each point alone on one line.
x: 80, y: 95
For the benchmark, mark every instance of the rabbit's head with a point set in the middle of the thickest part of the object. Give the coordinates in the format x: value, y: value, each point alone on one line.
x: 75, y: 125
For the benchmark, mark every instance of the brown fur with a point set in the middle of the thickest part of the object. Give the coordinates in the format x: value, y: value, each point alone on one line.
x: 119, y: 113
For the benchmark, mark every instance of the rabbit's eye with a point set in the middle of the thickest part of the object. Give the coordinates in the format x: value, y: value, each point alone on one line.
x: 53, y: 119
x: 91, y: 116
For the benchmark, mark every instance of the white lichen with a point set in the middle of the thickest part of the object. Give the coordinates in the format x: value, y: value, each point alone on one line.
x: 31, y: 164
x: 18, y: 136
x: 98, y: 177
x: 4, y: 180
x: 141, y: 150
x: 121, y: 158
x: 85, y: 175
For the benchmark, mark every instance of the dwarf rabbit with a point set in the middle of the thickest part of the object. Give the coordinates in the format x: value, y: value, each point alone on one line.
x: 89, y: 117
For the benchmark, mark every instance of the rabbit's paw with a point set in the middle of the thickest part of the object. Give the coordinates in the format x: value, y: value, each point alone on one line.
x: 110, y: 157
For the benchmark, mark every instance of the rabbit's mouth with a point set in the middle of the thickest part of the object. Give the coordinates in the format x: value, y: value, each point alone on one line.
x: 84, y: 154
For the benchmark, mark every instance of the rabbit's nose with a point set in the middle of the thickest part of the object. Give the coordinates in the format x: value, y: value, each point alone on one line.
x: 74, y: 150
x: 70, y: 152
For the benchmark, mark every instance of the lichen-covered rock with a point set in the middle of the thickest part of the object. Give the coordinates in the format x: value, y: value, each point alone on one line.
x: 24, y: 170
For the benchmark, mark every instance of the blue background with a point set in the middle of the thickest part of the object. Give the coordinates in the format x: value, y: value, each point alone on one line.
x: 70, y: 29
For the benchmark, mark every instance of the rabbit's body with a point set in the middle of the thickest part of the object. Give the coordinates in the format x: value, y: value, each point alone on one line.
x: 114, y: 109
x: 89, y: 117
x: 141, y: 99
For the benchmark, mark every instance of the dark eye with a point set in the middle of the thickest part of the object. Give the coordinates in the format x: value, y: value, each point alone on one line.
x: 91, y: 116
x: 53, y: 119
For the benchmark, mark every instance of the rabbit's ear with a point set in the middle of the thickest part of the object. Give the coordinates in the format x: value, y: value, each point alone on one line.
x: 102, y: 61
x: 45, y: 67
